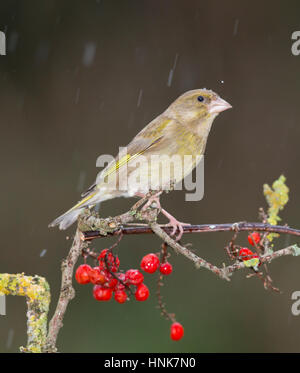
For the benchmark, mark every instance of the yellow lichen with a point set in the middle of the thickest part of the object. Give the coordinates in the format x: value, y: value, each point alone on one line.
x: 251, y: 263
x: 37, y: 292
x: 277, y: 197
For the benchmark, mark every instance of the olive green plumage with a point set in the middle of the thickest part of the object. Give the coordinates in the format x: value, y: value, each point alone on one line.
x: 181, y: 130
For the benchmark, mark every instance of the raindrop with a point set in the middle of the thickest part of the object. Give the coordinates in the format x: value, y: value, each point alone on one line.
x: 175, y: 62
x: 42, y: 52
x: 81, y: 181
x: 171, y: 73
x: 10, y: 337
x: 131, y: 120
x: 220, y: 163
x: 43, y: 252
x: 170, y: 78
x: 270, y: 39
x: 89, y: 53
x: 77, y: 95
x: 12, y: 42
x: 20, y: 103
x: 139, y: 98
x: 236, y: 25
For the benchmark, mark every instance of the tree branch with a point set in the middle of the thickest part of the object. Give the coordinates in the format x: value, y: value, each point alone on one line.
x: 115, y: 225
x: 223, y: 272
x: 293, y: 250
x: 201, y: 228
x: 199, y: 262
x: 67, y: 293
x: 37, y: 292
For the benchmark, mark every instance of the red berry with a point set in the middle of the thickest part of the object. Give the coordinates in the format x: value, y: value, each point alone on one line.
x: 102, y: 293
x: 112, y: 283
x: 254, y: 236
x: 142, y: 293
x: 245, y: 253
x: 103, y: 254
x: 150, y: 263
x: 112, y: 261
x: 82, y: 274
x: 107, y: 274
x: 166, y: 268
x: 121, y: 277
x: 177, y: 331
x: 120, y: 296
x: 97, y: 276
x: 134, y: 277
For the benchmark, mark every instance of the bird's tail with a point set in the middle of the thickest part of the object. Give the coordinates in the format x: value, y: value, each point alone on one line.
x: 69, y: 217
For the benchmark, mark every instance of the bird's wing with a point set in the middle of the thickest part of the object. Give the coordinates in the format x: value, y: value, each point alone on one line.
x: 144, y: 141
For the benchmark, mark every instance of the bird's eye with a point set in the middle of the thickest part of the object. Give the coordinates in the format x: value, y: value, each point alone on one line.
x: 200, y: 98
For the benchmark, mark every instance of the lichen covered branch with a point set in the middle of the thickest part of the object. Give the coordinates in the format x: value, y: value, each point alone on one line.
x: 37, y: 292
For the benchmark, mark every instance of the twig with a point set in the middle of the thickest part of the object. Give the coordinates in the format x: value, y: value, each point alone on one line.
x: 67, y: 293
x: 161, y: 304
x: 267, y: 258
x: 199, y: 262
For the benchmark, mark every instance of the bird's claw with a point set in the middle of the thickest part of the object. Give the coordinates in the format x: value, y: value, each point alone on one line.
x: 177, y: 226
x: 173, y: 222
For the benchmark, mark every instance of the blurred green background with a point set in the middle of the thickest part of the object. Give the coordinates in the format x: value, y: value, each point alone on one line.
x: 80, y: 79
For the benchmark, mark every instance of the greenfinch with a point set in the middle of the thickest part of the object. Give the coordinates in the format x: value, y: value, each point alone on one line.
x: 180, y: 132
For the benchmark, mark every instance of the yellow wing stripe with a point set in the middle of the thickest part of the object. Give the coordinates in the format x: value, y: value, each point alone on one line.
x: 117, y: 165
x: 80, y: 203
x: 121, y: 163
x: 126, y: 159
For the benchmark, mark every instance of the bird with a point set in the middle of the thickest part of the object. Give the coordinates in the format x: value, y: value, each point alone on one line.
x: 180, y: 132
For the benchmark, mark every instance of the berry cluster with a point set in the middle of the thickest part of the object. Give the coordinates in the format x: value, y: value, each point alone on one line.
x: 150, y: 264
x: 246, y: 254
x: 109, y: 282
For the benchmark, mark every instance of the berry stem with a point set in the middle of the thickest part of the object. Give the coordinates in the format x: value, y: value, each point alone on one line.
x: 161, y: 304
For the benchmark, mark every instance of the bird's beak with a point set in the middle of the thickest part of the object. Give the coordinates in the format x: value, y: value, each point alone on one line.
x: 218, y: 105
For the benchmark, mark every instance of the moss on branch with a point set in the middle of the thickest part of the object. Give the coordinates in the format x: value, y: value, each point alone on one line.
x: 37, y: 292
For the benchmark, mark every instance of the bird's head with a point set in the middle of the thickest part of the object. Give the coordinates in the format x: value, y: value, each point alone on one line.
x: 198, y: 105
